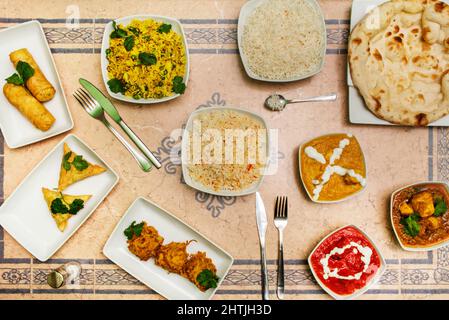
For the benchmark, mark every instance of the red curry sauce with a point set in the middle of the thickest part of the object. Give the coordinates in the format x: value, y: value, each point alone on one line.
x: 346, y: 261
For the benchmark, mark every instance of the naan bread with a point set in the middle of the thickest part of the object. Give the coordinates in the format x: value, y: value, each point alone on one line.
x: 399, y: 61
x: 61, y: 219
x: 68, y: 177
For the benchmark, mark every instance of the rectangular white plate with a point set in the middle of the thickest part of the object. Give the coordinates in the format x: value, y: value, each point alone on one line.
x: 169, y: 285
x: 17, y: 130
x: 25, y: 215
x: 358, y: 112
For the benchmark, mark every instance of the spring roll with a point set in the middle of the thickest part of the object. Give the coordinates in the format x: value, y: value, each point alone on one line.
x: 29, y: 106
x: 38, y: 85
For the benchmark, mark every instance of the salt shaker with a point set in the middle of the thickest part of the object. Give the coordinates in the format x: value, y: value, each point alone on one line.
x: 67, y: 273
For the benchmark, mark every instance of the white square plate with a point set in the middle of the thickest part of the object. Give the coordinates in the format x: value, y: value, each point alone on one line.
x: 25, y: 214
x: 169, y: 285
x: 17, y: 130
x: 176, y: 26
x: 358, y: 112
x: 199, y: 186
x: 245, y: 12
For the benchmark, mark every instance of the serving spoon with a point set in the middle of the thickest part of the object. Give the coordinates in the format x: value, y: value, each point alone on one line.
x: 277, y: 102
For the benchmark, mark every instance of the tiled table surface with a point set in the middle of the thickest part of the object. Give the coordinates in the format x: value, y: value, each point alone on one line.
x: 395, y: 156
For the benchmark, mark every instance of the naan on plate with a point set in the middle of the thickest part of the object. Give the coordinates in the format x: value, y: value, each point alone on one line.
x: 399, y: 61
x: 74, y: 168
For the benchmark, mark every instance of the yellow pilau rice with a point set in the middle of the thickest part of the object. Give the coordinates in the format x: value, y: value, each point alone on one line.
x: 147, y: 81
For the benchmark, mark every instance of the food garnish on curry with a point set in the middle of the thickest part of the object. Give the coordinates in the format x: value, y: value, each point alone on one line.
x: 346, y: 261
x: 420, y: 215
x: 332, y: 167
x: 145, y: 242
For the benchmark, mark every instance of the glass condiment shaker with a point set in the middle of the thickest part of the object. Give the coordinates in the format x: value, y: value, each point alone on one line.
x: 67, y: 273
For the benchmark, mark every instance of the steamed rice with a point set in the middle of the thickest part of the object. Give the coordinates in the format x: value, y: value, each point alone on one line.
x: 283, y: 39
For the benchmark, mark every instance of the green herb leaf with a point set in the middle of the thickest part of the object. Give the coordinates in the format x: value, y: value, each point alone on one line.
x: 76, y: 206
x: 79, y: 163
x: 440, y: 207
x: 133, y: 229
x: 117, y: 33
x: 147, y: 59
x: 129, y: 43
x: 15, y: 79
x: 57, y: 206
x: 134, y: 30
x: 116, y: 86
x: 207, y: 279
x: 178, y: 85
x: 24, y: 70
x: 108, y: 51
x: 411, y: 224
x: 65, y: 161
x: 164, y: 28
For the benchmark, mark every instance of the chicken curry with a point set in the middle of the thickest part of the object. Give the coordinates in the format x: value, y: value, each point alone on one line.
x: 420, y: 215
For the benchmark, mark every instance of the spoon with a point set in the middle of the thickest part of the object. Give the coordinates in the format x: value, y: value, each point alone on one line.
x: 277, y: 102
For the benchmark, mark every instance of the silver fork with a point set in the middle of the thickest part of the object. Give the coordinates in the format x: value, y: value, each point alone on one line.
x: 93, y: 108
x: 280, y: 221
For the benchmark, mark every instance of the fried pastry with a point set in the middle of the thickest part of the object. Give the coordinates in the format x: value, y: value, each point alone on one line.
x: 146, y: 243
x: 196, y: 264
x: 74, y: 168
x: 173, y: 256
x: 63, y: 206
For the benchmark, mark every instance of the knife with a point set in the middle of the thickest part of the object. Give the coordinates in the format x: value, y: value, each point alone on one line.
x: 262, y: 223
x: 113, y: 113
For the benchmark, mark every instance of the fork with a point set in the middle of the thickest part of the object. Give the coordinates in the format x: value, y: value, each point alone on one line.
x: 280, y: 222
x: 93, y: 108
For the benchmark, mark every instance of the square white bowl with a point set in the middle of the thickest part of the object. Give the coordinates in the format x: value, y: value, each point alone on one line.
x: 176, y: 27
x: 302, y: 179
x: 405, y: 247
x: 25, y: 215
x: 361, y: 291
x: 245, y: 12
x: 16, y: 129
x: 170, y: 285
x: 358, y: 112
x: 199, y: 186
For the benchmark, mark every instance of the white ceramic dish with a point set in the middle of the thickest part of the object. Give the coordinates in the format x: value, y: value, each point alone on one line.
x: 405, y: 247
x: 358, y: 112
x: 302, y: 179
x: 197, y: 185
x: 16, y: 129
x: 25, y: 215
x: 171, y: 286
x: 176, y: 26
x: 245, y: 12
x: 361, y: 291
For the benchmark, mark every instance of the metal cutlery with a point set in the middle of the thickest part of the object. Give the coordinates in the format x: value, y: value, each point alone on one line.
x: 113, y: 113
x: 280, y: 221
x: 93, y: 108
x: 262, y: 223
x: 277, y: 102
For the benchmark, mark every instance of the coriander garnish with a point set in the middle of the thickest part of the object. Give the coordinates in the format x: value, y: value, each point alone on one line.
x: 178, y: 85
x: 147, y: 59
x: 133, y: 229
x: 78, y: 162
x: 129, y: 43
x: 24, y: 72
x: 411, y: 224
x: 116, y: 86
x: 117, y: 33
x: 164, y: 28
x: 207, y: 279
x: 58, y: 205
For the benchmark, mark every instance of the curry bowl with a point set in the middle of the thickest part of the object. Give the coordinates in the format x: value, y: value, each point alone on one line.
x: 376, y: 265
x: 349, y: 175
x: 419, y: 214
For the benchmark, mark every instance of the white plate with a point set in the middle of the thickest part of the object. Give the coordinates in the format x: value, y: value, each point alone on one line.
x: 17, y: 130
x: 25, y: 214
x: 358, y: 112
x: 361, y: 291
x: 171, y: 286
x: 199, y: 186
x: 405, y: 247
x: 176, y: 26
x: 302, y: 179
x: 245, y: 12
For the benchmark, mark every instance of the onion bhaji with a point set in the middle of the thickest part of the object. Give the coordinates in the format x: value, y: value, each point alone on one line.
x: 195, y: 265
x: 173, y: 256
x: 146, y: 244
